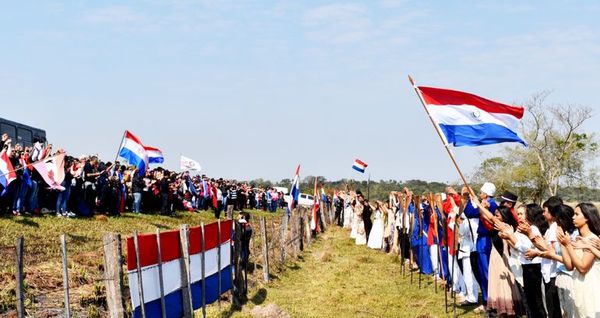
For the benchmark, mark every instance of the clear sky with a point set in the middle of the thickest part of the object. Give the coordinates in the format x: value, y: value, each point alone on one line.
x: 252, y: 88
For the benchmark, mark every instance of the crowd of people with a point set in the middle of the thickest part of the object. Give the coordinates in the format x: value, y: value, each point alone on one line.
x: 505, y: 258
x: 93, y: 186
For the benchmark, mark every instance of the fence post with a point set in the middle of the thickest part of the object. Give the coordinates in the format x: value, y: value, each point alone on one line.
x: 63, y: 243
x: 308, y: 230
x: 293, y: 234
x: 161, y: 283
x: 265, y: 249
x: 186, y: 290
x: 283, y: 236
x: 140, y: 282
x: 203, y: 258
x: 19, y: 276
x: 219, y: 260
x: 238, y: 280
x: 113, y: 275
x: 301, y: 232
x: 322, y: 216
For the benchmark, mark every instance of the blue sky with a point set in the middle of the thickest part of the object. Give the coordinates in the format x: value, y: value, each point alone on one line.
x: 252, y: 88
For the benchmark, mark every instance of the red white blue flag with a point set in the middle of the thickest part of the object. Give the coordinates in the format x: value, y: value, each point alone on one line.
x: 7, y: 172
x: 217, y: 269
x: 137, y: 154
x: 469, y: 120
x: 359, y: 166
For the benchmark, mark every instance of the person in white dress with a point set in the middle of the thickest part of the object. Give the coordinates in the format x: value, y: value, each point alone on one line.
x: 348, y: 211
x: 376, y: 235
x: 581, y: 255
x: 359, y: 225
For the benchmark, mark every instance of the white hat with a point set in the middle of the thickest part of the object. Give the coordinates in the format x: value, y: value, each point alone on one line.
x: 489, y: 189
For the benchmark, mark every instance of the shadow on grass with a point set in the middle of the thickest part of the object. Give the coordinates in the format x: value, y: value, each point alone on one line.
x: 27, y: 222
x: 259, y: 297
x: 161, y: 226
x: 78, y: 238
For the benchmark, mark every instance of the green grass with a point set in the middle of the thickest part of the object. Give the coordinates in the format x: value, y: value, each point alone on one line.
x: 336, y: 278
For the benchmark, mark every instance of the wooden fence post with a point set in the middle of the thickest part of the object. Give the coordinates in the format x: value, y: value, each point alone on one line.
x: 219, y: 260
x: 19, y: 276
x: 140, y: 281
x: 265, y: 249
x: 284, y: 222
x: 203, y: 267
x: 113, y: 275
x: 186, y: 290
x: 308, y: 230
x: 238, y: 280
x: 301, y: 232
x: 293, y: 234
x: 161, y: 283
x: 63, y: 244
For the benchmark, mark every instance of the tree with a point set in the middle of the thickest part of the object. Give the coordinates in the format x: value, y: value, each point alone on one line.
x: 558, y: 150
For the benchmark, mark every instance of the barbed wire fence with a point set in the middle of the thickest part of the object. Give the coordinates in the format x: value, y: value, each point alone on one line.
x: 52, y: 280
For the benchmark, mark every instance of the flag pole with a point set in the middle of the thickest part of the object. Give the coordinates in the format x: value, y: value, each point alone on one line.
x: 368, y: 186
x: 120, y: 145
x: 435, y: 126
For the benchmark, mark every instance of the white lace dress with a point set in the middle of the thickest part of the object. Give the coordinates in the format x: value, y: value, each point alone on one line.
x: 376, y: 235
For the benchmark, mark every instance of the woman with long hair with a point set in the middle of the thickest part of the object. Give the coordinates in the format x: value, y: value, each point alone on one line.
x: 503, y: 293
x: 531, y: 223
x: 577, y: 255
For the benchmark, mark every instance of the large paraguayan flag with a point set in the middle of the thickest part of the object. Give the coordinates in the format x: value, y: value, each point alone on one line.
x: 134, y: 152
x: 171, y: 257
x: 469, y: 120
x: 359, y: 166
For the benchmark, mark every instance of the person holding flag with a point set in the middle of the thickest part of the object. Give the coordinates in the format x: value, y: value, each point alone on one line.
x: 464, y: 119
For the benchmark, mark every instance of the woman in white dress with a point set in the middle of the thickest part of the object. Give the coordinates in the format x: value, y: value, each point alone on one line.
x: 376, y: 235
x: 348, y: 212
x: 581, y: 256
x: 354, y: 219
x: 361, y: 234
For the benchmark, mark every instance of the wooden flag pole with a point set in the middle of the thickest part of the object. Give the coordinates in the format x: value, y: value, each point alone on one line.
x: 120, y: 145
x: 435, y: 126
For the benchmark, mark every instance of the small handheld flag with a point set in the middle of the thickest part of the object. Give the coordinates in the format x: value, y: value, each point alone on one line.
x: 359, y: 166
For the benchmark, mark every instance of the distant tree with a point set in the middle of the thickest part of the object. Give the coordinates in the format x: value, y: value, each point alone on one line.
x: 558, y: 151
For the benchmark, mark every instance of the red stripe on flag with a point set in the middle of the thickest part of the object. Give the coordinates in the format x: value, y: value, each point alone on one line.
x: 169, y: 244
x: 131, y: 136
x: 361, y: 163
x: 448, y: 97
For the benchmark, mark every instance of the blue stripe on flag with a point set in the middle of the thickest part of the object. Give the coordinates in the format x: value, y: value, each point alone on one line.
x: 478, y: 135
x: 133, y: 159
x: 358, y: 169
x: 174, y: 300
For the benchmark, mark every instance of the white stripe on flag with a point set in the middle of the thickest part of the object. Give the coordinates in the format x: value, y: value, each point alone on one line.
x: 172, y: 274
x: 471, y: 115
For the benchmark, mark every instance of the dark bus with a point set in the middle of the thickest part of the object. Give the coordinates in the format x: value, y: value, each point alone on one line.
x: 22, y: 134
